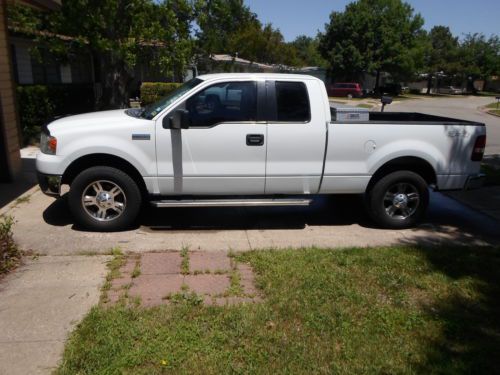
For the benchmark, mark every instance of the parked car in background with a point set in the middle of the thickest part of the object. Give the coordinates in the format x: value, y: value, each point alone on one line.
x: 450, y: 90
x: 351, y: 89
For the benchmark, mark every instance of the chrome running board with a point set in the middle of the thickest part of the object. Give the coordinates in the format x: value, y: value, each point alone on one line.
x: 231, y: 202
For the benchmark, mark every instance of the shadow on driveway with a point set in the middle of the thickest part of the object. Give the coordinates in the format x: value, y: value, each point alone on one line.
x: 445, y: 216
x: 325, y: 210
x: 11, y: 191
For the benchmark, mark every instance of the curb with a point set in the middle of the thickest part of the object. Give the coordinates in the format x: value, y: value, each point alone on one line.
x: 486, y: 110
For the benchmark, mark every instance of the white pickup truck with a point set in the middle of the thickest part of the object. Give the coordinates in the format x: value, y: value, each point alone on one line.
x: 254, y: 140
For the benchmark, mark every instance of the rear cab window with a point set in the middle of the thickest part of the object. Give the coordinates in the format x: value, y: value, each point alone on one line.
x: 292, y: 102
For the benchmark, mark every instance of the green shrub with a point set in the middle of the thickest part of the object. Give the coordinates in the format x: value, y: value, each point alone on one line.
x: 35, y: 109
x: 38, y: 104
x: 153, y: 91
x: 9, y: 252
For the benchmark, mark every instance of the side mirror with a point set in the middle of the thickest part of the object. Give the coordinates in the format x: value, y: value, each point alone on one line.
x: 179, y: 119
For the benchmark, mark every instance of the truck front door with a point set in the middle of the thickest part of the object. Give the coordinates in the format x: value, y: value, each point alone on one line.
x: 223, y: 152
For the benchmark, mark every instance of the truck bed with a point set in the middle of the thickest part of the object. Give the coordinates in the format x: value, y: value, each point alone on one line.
x: 411, y: 118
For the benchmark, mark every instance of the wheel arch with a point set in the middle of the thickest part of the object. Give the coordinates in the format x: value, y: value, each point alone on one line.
x: 103, y: 160
x: 405, y: 163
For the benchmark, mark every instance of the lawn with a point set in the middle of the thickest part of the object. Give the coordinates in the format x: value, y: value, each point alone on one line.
x: 353, y: 311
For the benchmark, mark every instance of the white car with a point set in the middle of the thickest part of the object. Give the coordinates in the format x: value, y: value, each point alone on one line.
x: 254, y: 140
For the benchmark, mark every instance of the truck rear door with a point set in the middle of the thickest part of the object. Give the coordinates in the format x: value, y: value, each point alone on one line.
x: 296, y: 136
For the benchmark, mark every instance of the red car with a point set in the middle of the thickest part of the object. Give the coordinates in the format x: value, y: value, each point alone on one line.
x: 345, y: 89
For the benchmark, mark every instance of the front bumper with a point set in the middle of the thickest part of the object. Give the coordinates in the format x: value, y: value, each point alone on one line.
x: 475, y: 181
x: 50, y: 184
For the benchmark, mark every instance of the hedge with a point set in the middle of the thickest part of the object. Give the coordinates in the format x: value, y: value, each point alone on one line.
x: 38, y: 104
x: 153, y: 91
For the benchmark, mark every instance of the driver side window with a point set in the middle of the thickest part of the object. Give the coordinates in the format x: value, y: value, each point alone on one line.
x: 223, y: 102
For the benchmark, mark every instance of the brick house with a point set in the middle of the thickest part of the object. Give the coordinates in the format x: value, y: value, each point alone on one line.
x: 10, y: 160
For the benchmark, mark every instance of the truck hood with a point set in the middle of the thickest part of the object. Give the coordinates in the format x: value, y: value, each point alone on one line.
x: 92, y: 120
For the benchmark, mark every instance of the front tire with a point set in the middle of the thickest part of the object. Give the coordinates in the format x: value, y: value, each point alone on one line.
x: 398, y: 200
x: 104, y: 199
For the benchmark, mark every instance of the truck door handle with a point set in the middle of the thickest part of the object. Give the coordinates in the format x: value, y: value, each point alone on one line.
x: 255, y: 139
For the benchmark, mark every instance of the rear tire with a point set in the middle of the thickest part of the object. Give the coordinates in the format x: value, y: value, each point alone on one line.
x: 104, y: 199
x: 398, y: 200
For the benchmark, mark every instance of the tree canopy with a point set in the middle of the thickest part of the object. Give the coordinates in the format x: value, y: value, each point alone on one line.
x: 118, y: 34
x: 480, y: 56
x: 230, y: 27
x: 369, y: 36
x: 372, y: 36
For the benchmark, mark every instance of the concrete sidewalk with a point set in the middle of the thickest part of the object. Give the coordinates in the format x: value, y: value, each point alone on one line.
x: 40, y: 303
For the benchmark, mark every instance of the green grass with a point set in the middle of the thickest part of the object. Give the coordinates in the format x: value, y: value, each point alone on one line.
x: 355, y: 311
x: 488, y: 93
x: 185, y: 261
x: 493, y: 108
x: 22, y: 200
x: 114, y: 265
x: 364, y: 105
x: 493, y: 105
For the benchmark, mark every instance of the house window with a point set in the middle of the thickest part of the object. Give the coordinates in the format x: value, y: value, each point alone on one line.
x: 81, y: 71
x: 14, y: 62
x: 45, y: 70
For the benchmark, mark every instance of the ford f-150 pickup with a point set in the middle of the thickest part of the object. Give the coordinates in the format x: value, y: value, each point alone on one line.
x: 254, y: 140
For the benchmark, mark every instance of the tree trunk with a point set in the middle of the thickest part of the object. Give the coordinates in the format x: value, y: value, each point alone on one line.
x: 485, y: 85
x: 116, y: 83
x: 377, y: 82
x: 429, y: 84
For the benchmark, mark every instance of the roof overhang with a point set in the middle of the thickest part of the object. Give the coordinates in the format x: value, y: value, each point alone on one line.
x: 43, y: 4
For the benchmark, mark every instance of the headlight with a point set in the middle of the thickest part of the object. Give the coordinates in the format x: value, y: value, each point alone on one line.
x: 48, y: 144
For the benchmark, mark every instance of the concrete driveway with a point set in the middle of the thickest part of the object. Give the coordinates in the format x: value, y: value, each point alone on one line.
x: 45, y: 225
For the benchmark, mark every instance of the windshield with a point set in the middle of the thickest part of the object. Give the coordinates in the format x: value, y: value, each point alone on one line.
x: 153, y: 109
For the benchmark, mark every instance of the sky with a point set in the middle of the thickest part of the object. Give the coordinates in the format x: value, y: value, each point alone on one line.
x: 297, y: 17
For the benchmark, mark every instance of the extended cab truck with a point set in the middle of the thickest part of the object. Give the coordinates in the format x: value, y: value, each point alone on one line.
x: 253, y: 140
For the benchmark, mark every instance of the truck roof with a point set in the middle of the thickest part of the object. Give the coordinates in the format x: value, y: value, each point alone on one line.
x: 272, y: 76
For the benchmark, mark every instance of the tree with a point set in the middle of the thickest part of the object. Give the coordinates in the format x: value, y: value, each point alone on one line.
x: 119, y: 34
x: 441, y: 53
x: 307, y: 50
x: 239, y: 31
x: 480, y: 57
x: 219, y: 21
x: 372, y: 36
